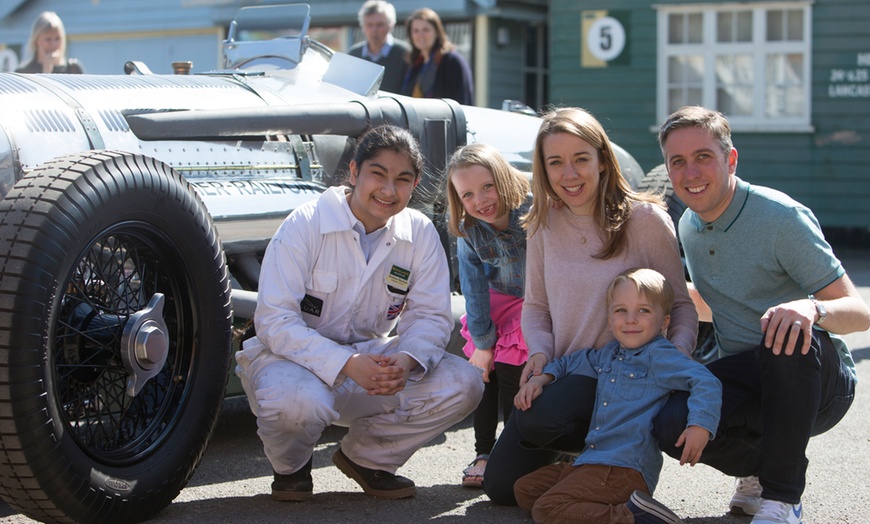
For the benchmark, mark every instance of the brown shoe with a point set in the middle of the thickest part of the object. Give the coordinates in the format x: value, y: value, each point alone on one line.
x: 295, y: 487
x: 375, y: 482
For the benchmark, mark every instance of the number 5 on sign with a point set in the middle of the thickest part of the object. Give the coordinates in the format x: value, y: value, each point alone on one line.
x: 603, y: 39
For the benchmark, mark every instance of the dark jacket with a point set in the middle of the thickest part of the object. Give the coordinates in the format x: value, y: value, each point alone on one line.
x: 452, y: 79
x: 395, y: 63
x: 72, y: 67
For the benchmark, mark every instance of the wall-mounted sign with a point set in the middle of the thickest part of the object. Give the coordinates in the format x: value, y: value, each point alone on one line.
x: 851, y: 82
x: 604, y: 38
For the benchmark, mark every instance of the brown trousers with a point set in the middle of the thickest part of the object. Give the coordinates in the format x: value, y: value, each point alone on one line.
x: 562, y: 493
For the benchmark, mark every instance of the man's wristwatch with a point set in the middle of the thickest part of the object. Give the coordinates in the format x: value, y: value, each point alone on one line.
x: 820, y: 309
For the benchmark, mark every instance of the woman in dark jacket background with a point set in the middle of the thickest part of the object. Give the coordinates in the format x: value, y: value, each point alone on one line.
x: 437, y: 70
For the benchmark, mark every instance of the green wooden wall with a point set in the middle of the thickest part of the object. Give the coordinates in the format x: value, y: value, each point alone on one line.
x: 827, y: 169
x: 621, y: 95
x: 505, y: 64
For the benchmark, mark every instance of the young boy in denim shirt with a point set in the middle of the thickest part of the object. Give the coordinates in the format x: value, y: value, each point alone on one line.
x: 613, y: 478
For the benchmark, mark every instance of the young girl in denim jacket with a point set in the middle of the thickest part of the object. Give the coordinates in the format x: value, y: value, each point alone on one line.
x: 486, y: 199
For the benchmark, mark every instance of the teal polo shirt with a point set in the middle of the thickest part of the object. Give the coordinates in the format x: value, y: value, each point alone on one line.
x: 764, y: 250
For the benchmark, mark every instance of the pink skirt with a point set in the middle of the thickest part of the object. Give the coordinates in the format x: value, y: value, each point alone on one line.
x: 506, y: 312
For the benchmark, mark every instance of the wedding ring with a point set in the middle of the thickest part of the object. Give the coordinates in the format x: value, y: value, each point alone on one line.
x: 797, y: 324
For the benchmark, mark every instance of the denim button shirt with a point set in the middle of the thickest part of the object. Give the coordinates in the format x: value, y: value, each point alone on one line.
x: 633, y: 384
x: 490, y: 259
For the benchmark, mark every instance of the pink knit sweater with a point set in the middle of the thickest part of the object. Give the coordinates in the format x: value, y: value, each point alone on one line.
x: 565, y: 299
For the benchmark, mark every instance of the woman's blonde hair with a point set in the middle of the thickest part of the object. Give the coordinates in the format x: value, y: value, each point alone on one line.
x: 45, y: 21
x: 511, y: 184
x: 615, y: 199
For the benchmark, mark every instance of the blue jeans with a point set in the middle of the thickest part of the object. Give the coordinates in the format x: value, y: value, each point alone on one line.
x: 556, y: 423
x: 771, y: 406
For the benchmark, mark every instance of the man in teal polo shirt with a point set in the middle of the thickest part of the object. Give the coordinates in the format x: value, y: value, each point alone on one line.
x: 764, y: 274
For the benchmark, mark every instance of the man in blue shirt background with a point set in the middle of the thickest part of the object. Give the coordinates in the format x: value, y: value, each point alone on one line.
x: 377, y: 19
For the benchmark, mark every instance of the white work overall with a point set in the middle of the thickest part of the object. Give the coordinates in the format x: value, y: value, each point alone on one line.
x: 319, y: 302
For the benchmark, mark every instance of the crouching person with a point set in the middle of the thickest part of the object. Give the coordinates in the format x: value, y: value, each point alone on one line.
x: 338, y: 276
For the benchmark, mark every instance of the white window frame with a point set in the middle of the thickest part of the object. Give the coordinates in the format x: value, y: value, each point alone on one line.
x: 758, y: 48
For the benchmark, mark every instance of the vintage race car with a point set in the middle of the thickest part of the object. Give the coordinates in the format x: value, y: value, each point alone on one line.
x: 135, y: 211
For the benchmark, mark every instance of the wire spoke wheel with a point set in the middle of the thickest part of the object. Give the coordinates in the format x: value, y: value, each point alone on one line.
x: 115, y: 328
x: 116, y: 277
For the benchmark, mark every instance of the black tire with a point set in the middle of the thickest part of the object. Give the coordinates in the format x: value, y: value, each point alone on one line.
x: 85, y: 242
x: 657, y: 181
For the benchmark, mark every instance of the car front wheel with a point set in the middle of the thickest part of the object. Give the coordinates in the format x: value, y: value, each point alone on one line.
x: 115, y: 326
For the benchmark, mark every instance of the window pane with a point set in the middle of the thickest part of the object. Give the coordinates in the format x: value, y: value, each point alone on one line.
x: 685, y: 81
x: 544, y: 90
x: 675, y: 69
x: 545, y: 35
x: 724, y: 27
x: 794, y: 69
x: 460, y: 34
x: 774, y: 26
x: 784, y: 95
x: 687, y: 69
x: 696, y: 28
x: 675, y: 29
x: 734, y: 69
x: 678, y: 97
x: 743, y: 69
x: 744, y: 26
x: 784, y: 102
x: 531, y: 85
x: 734, y: 26
x: 795, y: 25
x: 695, y: 69
x: 737, y: 101
x: 531, y: 46
x: 794, y: 101
x: 675, y: 99
x: 785, y: 69
x: 734, y: 84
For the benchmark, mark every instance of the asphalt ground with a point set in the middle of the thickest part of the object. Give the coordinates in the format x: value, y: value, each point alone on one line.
x: 232, y: 483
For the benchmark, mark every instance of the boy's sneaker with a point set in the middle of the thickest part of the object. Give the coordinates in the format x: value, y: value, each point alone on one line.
x: 747, y: 496
x: 375, y: 482
x: 647, y: 510
x: 776, y: 512
x: 295, y: 487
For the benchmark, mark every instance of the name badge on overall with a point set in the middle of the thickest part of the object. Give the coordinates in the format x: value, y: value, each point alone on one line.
x: 397, y: 283
x: 397, y: 280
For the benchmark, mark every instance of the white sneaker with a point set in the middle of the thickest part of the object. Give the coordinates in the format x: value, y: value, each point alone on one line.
x: 776, y: 512
x: 747, y: 496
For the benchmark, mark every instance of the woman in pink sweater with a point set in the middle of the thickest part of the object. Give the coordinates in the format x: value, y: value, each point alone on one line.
x: 598, y: 229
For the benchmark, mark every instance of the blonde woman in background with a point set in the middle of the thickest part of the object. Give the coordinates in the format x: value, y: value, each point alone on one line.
x: 47, y: 47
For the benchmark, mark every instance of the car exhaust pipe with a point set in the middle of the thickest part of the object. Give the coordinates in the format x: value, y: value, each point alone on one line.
x: 347, y: 119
